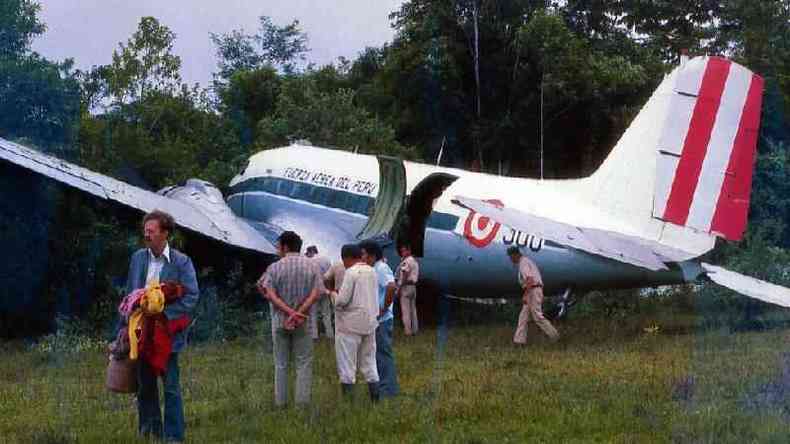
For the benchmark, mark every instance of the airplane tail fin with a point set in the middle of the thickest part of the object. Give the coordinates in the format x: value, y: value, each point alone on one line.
x: 683, y: 169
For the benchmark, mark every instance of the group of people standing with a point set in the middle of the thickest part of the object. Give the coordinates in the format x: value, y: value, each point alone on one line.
x: 360, y: 290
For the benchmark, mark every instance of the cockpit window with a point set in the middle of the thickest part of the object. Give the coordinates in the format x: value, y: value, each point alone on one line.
x: 246, y: 165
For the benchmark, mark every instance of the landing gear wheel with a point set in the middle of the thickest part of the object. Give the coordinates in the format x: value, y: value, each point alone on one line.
x: 562, y: 307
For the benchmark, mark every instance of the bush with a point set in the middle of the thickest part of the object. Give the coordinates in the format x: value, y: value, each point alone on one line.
x: 611, y: 304
x: 71, y: 336
x: 228, y: 309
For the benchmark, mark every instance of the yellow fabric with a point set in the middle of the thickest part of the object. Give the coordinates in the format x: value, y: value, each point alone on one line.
x: 135, y: 322
x: 152, y: 302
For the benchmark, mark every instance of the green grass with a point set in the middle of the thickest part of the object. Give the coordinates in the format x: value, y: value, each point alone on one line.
x: 603, y: 382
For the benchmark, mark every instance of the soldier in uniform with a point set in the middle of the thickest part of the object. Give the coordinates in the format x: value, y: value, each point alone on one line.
x: 407, y: 275
x: 532, y: 297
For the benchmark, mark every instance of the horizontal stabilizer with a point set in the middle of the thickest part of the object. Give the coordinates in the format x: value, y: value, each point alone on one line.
x: 748, y: 286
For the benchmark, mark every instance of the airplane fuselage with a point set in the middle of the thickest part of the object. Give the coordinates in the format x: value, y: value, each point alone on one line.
x: 327, y: 196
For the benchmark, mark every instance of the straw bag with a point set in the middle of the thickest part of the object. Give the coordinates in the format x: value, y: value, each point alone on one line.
x: 122, y: 375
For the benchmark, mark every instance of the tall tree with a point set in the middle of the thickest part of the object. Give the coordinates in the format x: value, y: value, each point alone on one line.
x: 19, y: 25
x: 283, y: 47
x: 39, y: 103
x: 38, y: 98
x: 326, y: 118
x: 248, y: 96
x: 450, y: 54
x: 145, y: 64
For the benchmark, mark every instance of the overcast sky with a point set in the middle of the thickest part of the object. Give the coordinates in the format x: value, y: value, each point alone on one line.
x: 89, y: 30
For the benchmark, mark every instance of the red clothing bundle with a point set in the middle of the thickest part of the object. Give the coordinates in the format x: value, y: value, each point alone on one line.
x: 155, y: 342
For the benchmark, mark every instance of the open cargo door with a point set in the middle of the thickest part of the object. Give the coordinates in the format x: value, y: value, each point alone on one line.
x: 389, y: 201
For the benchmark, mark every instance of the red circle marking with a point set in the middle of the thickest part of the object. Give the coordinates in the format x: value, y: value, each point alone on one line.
x: 483, y: 223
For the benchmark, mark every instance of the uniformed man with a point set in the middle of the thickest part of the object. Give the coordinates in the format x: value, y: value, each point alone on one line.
x: 532, y: 297
x: 407, y: 275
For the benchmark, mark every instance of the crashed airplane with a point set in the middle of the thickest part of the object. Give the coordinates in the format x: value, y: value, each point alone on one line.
x: 679, y: 177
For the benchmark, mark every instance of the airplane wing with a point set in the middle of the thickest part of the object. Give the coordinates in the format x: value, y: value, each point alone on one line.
x: 628, y: 249
x: 197, y: 206
x: 748, y: 286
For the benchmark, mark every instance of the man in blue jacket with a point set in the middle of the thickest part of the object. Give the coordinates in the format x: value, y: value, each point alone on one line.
x: 160, y: 263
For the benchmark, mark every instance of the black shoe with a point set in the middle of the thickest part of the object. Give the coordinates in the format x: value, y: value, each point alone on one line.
x: 373, y: 389
x: 347, y: 390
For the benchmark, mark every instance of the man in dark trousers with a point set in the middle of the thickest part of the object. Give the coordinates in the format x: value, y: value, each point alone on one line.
x: 160, y: 263
x: 385, y: 359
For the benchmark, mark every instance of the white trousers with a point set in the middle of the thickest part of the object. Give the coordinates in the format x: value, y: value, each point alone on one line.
x: 356, y: 352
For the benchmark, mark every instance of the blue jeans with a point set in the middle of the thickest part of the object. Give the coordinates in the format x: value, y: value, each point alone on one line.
x: 150, y: 416
x: 385, y: 360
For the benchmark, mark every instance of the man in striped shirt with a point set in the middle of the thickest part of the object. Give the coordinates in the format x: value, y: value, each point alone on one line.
x: 291, y: 285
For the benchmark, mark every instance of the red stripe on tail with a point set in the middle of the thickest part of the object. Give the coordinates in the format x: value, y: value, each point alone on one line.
x: 695, y: 146
x: 732, y: 209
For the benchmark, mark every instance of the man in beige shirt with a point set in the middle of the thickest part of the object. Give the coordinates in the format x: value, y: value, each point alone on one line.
x: 356, y: 310
x: 532, y: 285
x: 333, y: 279
x: 322, y: 307
x: 407, y: 275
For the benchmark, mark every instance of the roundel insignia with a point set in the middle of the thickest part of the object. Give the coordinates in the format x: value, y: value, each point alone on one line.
x: 481, y: 230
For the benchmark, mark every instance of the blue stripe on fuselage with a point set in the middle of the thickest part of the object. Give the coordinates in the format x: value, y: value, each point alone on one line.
x: 324, y: 197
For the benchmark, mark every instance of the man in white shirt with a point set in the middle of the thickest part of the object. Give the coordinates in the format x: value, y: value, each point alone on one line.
x: 160, y: 263
x: 356, y: 310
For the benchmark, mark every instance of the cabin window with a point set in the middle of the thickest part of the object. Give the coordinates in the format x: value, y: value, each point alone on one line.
x: 293, y: 191
x: 332, y: 199
x: 361, y: 205
x: 269, y: 185
x: 341, y: 200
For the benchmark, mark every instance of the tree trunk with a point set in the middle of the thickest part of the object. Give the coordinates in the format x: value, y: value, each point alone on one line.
x: 475, y: 16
